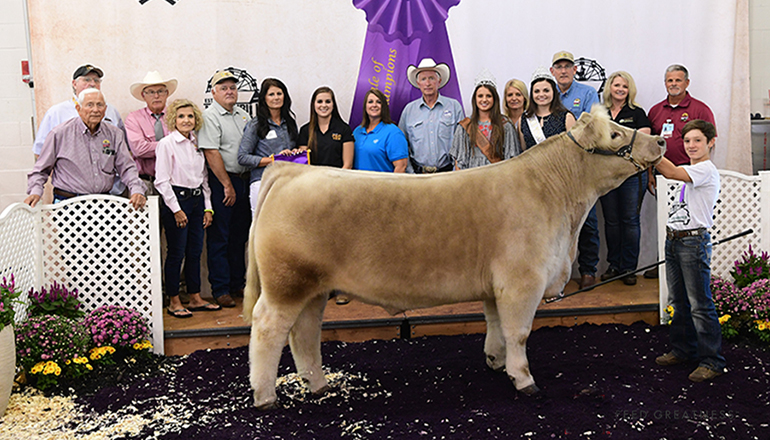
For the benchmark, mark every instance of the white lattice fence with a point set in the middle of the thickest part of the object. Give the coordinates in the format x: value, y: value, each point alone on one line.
x: 18, y: 256
x: 97, y: 244
x: 739, y: 207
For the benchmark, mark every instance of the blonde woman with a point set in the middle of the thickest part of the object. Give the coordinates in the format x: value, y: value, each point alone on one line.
x: 516, y: 99
x: 182, y: 181
x: 620, y: 206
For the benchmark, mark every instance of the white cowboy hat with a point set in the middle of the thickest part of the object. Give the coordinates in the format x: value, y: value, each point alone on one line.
x: 428, y: 64
x: 151, y: 79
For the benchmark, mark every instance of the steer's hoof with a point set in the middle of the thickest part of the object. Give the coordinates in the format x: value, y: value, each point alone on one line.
x: 530, y: 390
x: 321, y: 390
x: 267, y: 406
x: 494, y: 365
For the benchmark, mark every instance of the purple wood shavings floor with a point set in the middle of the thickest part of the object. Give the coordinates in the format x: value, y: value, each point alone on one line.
x: 597, y: 382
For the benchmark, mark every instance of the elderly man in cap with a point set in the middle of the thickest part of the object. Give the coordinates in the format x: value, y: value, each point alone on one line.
x: 83, y: 156
x: 579, y: 98
x: 220, y: 137
x: 146, y: 126
x: 86, y: 76
x: 429, y: 122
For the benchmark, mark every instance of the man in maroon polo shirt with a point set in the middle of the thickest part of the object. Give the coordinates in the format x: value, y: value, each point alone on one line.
x: 669, y: 116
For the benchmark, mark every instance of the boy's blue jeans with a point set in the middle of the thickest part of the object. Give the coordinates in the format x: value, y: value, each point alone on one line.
x: 695, y: 331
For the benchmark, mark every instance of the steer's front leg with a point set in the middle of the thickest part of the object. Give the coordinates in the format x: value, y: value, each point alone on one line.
x: 516, y: 315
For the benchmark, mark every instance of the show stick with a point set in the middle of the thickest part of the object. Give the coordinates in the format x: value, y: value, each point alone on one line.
x: 650, y: 266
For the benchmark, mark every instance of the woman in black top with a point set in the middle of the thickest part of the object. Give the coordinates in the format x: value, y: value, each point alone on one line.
x: 545, y: 115
x: 328, y: 137
x: 330, y: 141
x: 621, y: 218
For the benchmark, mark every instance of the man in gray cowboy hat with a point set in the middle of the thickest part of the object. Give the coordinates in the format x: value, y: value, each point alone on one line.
x: 85, y: 76
x: 429, y: 122
x: 146, y: 126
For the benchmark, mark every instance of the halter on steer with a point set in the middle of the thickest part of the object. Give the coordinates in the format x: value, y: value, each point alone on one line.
x: 624, y: 151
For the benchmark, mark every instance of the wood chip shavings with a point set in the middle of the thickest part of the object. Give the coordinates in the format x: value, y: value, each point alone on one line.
x: 342, y: 384
x: 31, y: 415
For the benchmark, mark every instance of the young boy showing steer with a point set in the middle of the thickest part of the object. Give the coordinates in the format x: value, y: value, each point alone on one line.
x: 695, y: 332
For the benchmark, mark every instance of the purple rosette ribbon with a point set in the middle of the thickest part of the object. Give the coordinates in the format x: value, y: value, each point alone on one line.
x: 303, y: 157
x: 401, y: 33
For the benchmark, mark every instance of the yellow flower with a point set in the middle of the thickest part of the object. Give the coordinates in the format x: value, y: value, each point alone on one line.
x: 724, y: 318
x: 95, y: 356
x: 109, y: 349
x: 37, y: 368
x: 67, y: 362
x: 89, y: 366
x: 761, y: 326
x: 137, y: 346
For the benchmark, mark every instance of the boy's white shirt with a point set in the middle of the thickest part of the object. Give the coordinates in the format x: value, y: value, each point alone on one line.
x: 696, y: 210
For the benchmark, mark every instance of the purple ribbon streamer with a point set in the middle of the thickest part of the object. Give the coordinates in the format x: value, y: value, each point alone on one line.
x: 401, y: 33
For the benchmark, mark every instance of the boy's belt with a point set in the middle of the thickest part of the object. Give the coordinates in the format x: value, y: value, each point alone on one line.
x: 672, y: 234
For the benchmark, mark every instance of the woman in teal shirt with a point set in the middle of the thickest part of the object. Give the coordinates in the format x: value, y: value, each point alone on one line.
x: 380, y: 144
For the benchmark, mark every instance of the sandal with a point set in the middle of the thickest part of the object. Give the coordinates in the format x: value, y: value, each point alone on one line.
x: 180, y: 313
x: 205, y: 308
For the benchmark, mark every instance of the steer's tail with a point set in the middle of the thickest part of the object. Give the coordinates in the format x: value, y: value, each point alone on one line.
x: 253, y: 287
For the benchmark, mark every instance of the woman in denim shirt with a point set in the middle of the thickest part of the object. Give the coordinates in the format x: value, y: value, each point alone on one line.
x: 273, y: 131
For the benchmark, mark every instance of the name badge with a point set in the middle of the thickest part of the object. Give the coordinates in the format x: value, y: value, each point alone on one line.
x: 667, y: 130
x: 271, y: 135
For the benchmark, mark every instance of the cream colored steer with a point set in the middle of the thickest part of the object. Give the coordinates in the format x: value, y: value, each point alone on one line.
x: 505, y: 234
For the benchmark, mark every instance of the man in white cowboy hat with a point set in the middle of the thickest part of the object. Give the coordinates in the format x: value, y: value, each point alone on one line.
x: 86, y: 76
x: 146, y: 126
x: 429, y: 122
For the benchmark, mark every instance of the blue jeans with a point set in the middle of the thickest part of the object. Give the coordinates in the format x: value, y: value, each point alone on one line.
x: 695, y: 332
x: 621, y: 223
x: 183, y: 244
x: 226, y: 237
x: 588, y: 244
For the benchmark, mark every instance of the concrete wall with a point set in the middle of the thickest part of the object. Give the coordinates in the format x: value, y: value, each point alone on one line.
x: 16, y: 105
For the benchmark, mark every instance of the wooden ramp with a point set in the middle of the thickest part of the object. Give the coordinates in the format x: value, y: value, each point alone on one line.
x: 355, y: 322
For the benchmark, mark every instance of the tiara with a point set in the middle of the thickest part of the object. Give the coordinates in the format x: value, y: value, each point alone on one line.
x: 485, y: 78
x: 541, y: 73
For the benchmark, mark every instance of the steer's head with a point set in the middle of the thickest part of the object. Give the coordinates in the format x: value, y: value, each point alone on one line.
x: 597, y: 134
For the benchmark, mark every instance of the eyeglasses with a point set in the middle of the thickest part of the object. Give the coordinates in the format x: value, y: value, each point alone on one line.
x: 155, y: 92
x: 91, y: 80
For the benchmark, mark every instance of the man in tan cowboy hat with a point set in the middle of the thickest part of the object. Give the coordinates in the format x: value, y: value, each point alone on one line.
x: 146, y: 126
x: 429, y: 122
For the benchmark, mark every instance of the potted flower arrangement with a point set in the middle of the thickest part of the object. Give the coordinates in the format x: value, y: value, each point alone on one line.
x: 743, y: 306
x: 49, y: 345
x: 8, y: 296
x: 55, y: 300
x: 60, y: 346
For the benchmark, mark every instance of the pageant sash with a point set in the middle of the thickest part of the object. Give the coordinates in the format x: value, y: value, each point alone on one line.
x: 535, y: 129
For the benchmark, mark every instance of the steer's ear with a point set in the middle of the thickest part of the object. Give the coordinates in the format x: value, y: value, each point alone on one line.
x: 594, y: 128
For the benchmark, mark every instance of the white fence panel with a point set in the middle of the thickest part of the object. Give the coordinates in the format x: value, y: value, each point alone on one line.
x: 739, y: 207
x: 98, y: 244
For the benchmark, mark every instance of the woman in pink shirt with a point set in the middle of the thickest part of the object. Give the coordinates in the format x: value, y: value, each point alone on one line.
x: 182, y: 181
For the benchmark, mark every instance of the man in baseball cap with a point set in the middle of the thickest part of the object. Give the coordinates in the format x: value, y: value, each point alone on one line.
x: 579, y: 98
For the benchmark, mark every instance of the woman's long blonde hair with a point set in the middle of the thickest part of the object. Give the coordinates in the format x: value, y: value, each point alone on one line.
x: 630, y: 99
